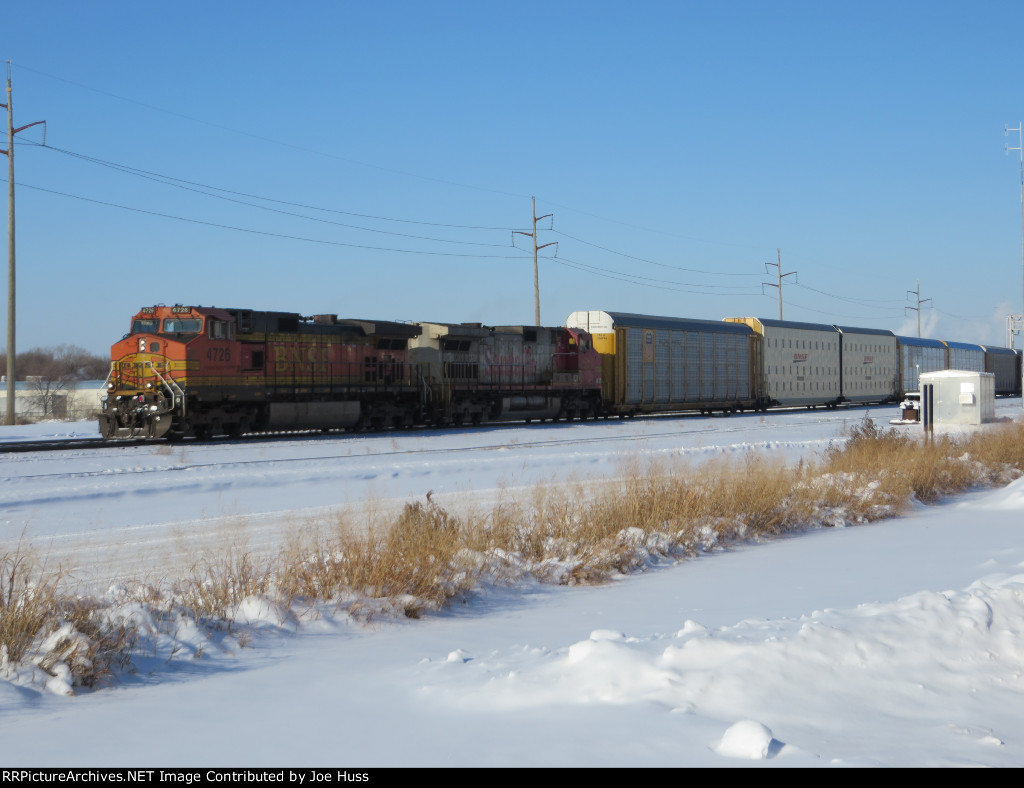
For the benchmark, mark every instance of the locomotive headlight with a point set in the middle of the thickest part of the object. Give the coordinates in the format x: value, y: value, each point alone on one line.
x: 152, y: 408
x: 149, y: 385
x: 110, y: 387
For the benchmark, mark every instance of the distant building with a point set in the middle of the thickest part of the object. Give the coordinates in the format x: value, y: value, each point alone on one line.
x: 38, y: 399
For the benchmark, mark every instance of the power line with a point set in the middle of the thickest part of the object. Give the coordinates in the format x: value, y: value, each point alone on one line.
x: 655, y: 281
x: 660, y: 284
x: 181, y: 183
x: 834, y: 314
x: 206, y: 189
x: 271, y: 140
x: 317, y: 152
x: 266, y: 232
x: 859, y: 301
x: 650, y: 262
x: 650, y: 230
x: 170, y: 178
x: 209, y: 191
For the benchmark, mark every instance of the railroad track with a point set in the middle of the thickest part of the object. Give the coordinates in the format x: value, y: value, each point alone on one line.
x: 14, y: 447
x: 827, y: 416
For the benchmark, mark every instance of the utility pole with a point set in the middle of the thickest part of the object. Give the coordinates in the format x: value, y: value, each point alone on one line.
x: 918, y: 307
x: 778, y: 265
x: 536, y: 273
x: 11, y: 346
x: 1018, y: 320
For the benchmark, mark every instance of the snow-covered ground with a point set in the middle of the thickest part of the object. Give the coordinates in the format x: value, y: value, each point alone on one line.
x: 899, y: 643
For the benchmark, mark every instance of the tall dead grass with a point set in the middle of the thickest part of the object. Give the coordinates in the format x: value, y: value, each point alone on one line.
x: 905, y: 467
x: 214, y: 588
x: 419, y: 561
x: 68, y: 638
x: 580, y: 532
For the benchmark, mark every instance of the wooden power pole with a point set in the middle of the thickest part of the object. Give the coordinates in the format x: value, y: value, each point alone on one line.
x: 781, y: 277
x: 536, y: 273
x: 917, y: 294
x: 11, y: 345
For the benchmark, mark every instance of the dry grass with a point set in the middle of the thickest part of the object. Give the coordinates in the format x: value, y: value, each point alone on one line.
x: 906, y: 467
x: 28, y: 599
x: 213, y: 589
x: 41, y: 623
x: 419, y: 561
x: 425, y: 557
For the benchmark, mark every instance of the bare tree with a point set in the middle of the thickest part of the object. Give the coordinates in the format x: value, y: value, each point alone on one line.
x: 55, y: 369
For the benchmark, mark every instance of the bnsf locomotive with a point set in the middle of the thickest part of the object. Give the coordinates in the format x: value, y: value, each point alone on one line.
x: 202, y: 371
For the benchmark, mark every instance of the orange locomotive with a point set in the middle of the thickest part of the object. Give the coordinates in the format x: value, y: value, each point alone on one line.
x: 203, y: 371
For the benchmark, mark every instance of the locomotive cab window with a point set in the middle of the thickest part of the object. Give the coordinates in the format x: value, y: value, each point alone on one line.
x: 146, y: 326
x: 183, y: 325
x: 218, y: 329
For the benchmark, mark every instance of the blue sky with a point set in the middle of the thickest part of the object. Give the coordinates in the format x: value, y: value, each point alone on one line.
x: 373, y: 159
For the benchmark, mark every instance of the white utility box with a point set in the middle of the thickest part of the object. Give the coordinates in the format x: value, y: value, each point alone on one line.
x: 956, y: 396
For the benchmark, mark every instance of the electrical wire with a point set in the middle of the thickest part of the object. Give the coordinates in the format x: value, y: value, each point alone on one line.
x: 649, y: 280
x: 584, y: 267
x: 270, y: 140
x: 203, y: 189
x: 658, y: 284
x: 264, y: 232
x: 171, y: 180
x: 650, y: 262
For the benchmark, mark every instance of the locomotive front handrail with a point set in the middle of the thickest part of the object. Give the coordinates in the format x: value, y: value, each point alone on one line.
x: 177, y: 395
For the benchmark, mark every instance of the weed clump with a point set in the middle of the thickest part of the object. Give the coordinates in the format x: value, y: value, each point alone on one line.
x: 67, y: 640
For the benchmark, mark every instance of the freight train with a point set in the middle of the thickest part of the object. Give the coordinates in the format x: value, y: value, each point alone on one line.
x: 203, y: 371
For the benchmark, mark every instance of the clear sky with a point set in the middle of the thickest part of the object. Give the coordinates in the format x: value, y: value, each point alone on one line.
x: 372, y: 160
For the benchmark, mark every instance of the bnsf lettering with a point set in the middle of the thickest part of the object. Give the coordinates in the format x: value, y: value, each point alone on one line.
x: 301, y: 355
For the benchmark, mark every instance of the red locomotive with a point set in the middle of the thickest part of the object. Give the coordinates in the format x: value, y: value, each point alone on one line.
x: 203, y: 371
